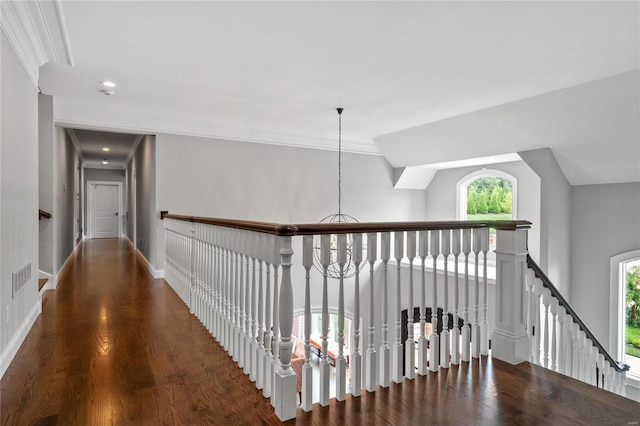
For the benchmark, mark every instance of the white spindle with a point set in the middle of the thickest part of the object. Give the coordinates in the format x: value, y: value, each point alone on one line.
x: 466, y: 328
x: 554, y: 335
x: 254, y: 317
x: 261, y: 306
x: 538, y: 328
x: 267, y: 370
x: 484, y: 324
x: 325, y: 260
x: 356, y: 357
x: 341, y: 362
x: 423, y: 342
x: 397, y: 359
x: 385, y: 254
x: 434, y: 339
x: 561, y: 338
x: 247, y: 309
x: 546, y: 296
x: 455, y: 332
x: 307, y: 369
x: 445, y: 345
x: 371, y: 374
x: 475, y: 326
x: 410, y: 345
x: 274, y: 249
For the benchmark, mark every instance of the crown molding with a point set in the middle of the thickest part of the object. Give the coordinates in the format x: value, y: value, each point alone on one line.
x: 37, y: 33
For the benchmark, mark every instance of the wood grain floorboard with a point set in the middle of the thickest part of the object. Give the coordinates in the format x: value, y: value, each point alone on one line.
x: 115, y: 347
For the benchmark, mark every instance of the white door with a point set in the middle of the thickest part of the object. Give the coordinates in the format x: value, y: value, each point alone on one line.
x: 105, y: 208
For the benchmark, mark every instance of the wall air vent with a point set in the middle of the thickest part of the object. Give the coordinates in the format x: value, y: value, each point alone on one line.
x: 20, y: 279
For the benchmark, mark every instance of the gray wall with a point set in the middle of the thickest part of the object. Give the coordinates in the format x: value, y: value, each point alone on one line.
x: 130, y: 212
x: 441, y: 196
x: 45, y: 180
x: 241, y: 180
x: 64, y: 191
x: 555, y: 219
x: 18, y: 200
x: 109, y: 175
x: 146, y: 217
x: 605, y: 222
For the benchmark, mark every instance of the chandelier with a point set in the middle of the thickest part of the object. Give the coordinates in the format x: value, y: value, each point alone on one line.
x: 333, y: 270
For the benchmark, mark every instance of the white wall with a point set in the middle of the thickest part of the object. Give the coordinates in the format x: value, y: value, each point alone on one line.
x: 555, y: 218
x: 441, y: 196
x: 605, y: 221
x: 18, y: 201
x: 45, y: 179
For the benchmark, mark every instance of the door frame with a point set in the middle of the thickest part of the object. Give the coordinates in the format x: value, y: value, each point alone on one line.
x: 90, y: 196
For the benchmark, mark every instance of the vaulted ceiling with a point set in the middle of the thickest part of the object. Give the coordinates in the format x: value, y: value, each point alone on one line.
x: 421, y: 82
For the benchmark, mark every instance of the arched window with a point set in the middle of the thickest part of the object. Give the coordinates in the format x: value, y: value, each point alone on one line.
x: 499, y: 188
x: 624, y: 328
x: 487, y: 194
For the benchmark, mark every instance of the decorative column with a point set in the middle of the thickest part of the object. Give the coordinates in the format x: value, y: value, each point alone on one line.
x: 509, y: 338
x: 284, y: 396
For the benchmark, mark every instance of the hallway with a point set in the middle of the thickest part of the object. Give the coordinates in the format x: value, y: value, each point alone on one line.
x: 115, y: 347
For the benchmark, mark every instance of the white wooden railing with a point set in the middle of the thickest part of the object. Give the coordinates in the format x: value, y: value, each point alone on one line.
x: 239, y: 279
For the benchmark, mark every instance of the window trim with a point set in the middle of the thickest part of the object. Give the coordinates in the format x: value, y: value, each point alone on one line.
x: 617, y: 325
x: 462, y: 185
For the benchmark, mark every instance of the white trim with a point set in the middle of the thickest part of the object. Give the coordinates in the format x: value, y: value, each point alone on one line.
x: 90, y: 200
x: 65, y: 265
x: 461, y: 187
x: 17, y: 339
x: 616, y: 304
x: 33, y: 37
x: 155, y: 273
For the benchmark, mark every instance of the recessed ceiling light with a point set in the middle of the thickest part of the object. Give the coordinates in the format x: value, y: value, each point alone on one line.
x: 105, y: 149
x: 105, y: 162
x: 108, y: 83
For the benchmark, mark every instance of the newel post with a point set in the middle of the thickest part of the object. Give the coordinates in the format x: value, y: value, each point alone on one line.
x: 285, y: 378
x: 509, y: 341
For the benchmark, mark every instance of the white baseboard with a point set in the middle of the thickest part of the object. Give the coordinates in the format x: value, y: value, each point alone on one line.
x: 18, y: 338
x: 154, y: 273
x: 130, y: 242
x: 64, y: 267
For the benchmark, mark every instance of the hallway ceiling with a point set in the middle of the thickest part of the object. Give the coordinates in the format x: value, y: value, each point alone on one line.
x: 274, y: 72
x: 91, y: 143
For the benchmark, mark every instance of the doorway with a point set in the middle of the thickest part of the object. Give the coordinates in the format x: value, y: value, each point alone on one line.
x: 105, y: 209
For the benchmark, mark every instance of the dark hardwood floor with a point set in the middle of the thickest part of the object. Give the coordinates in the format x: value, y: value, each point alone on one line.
x: 115, y: 347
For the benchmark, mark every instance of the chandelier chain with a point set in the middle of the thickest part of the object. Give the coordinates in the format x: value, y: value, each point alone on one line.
x: 339, y: 164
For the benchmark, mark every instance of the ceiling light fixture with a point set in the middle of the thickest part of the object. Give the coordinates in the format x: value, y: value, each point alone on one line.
x: 333, y: 270
x: 105, y: 149
x: 108, y: 83
x: 105, y: 162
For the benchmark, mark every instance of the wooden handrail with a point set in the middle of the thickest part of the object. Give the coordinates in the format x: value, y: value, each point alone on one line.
x: 618, y: 366
x: 42, y: 213
x: 348, y: 228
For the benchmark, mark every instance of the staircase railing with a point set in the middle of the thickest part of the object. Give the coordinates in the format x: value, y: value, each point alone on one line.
x: 244, y: 280
x: 561, y: 341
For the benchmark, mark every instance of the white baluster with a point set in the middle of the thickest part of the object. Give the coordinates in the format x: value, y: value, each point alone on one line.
x: 410, y: 344
x: 284, y: 395
x: 371, y: 374
x: 325, y: 260
x: 396, y: 362
x: 561, y: 338
x: 529, y: 283
x: 445, y: 346
x: 554, y: 336
x: 275, y: 250
x: 341, y: 362
x: 546, y: 295
x: 307, y: 369
x: 385, y: 254
x: 192, y: 267
x: 538, y: 326
x: 356, y: 357
x: 267, y: 369
x: 455, y: 332
x: 423, y: 341
x: 254, y: 317
x: 475, y: 326
x: 241, y: 303
x: 247, y: 308
x: 434, y: 339
x: 484, y: 324
x: 466, y: 328
x: 261, y: 306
